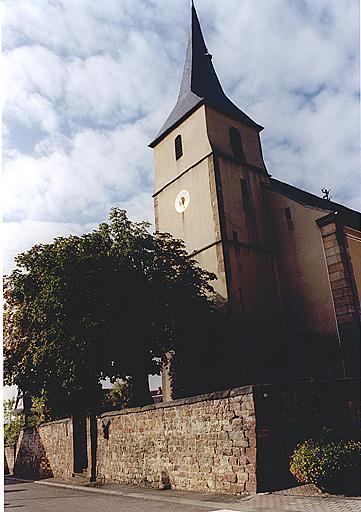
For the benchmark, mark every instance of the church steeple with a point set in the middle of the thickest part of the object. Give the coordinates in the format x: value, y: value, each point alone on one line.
x: 200, y: 85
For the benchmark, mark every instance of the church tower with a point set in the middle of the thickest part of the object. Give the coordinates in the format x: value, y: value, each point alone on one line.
x: 210, y: 181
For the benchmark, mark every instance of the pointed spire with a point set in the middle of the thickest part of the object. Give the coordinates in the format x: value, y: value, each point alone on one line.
x: 200, y: 85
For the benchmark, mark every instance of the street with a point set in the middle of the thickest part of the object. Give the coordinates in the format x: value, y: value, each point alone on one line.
x: 32, y: 497
x: 35, y: 497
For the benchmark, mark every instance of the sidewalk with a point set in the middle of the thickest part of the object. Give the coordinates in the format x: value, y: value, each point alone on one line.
x: 299, y: 499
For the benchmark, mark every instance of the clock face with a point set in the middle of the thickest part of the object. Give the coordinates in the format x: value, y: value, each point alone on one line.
x: 182, y: 201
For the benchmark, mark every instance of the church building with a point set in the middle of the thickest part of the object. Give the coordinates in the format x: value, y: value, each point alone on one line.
x: 277, y: 251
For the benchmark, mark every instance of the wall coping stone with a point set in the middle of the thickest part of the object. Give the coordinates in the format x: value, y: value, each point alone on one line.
x: 228, y: 393
x: 216, y: 395
x: 54, y: 422
x: 318, y: 382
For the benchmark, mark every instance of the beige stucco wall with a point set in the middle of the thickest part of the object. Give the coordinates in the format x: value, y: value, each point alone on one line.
x: 253, y: 278
x: 304, y: 280
x: 209, y: 260
x: 251, y: 224
x: 218, y: 133
x: 199, y: 226
x: 196, y: 225
x: 195, y: 147
x: 252, y: 271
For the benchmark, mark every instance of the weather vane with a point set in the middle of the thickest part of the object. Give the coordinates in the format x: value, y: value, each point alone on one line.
x: 326, y: 193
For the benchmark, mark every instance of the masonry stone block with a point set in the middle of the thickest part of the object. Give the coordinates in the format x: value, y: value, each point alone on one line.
x: 45, y: 451
x: 196, y: 442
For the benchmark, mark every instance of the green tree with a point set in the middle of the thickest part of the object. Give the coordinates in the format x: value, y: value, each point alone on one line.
x: 119, y: 396
x: 13, y: 423
x: 104, y: 304
x: 39, y: 412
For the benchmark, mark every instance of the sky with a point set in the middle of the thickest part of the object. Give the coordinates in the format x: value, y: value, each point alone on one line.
x: 88, y: 84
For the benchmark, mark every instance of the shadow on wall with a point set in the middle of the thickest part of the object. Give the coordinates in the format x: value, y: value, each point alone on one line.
x: 31, y: 460
x: 164, y: 481
x: 288, y: 414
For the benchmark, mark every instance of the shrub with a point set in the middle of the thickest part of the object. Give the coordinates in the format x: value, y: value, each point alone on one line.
x: 328, y: 465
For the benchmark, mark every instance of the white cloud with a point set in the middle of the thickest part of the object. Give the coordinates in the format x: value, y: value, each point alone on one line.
x: 297, y: 75
x: 99, y: 167
x: 19, y: 236
x: 85, y: 28
x: 94, y: 81
x: 33, y: 81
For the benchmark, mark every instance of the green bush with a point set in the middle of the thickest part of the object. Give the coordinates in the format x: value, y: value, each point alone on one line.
x: 332, y: 465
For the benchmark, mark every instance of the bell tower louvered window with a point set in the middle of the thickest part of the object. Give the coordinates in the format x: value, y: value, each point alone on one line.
x: 178, y: 146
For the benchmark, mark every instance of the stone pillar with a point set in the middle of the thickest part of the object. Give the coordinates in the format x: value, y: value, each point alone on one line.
x: 343, y: 292
x: 168, y: 376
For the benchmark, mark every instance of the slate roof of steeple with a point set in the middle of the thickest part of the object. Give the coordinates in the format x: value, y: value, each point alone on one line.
x: 200, y: 85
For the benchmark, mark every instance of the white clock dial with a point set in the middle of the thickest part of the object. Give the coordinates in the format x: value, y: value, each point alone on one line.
x: 182, y: 201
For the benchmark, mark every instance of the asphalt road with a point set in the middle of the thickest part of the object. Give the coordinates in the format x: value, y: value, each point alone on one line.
x: 35, y: 497
x: 30, y: 497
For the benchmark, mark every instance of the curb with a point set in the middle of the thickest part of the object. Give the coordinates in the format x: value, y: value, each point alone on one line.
x: 145, y: 496
x: 21, y: 480
x: 241, y: 505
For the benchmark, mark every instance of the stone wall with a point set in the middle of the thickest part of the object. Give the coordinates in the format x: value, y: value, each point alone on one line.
x: 203, y: 443
x: 9, y: 459
x: 235, y: 441
x: 45, y: 451
x: 290, y: 413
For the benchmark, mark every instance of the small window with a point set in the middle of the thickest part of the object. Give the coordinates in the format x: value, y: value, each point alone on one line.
x: 235, y: 236
x: 178, y: 147
x: 236, y: 144
x: 245, y: 191
x: 288, y: 217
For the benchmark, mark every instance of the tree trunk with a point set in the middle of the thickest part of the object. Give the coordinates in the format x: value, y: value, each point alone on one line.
x: 140, y: 389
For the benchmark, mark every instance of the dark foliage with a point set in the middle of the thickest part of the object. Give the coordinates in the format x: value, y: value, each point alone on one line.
x: 104, y: 304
